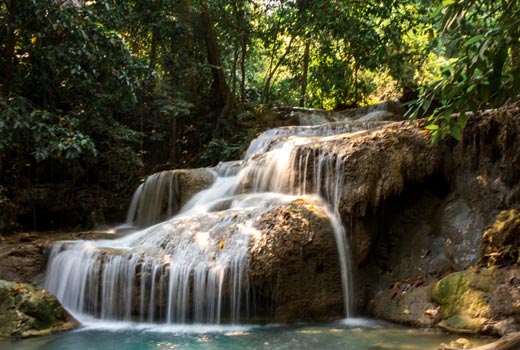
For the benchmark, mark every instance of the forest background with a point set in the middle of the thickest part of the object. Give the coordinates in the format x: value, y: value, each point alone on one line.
x: 94, y: 95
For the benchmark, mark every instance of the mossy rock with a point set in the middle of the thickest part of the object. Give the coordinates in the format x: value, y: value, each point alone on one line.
x: 464, y: 299
x: 462, y: 324
x: 26, y: 311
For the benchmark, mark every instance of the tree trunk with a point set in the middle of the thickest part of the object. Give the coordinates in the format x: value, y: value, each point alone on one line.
x: 236, y: 43
x: 220, y: 91
x: 173, y: 143
x: 185, y: 43
x: 266, y: 90
x: 305, y: 72
x: 356, y: 96
x: 514, y: 45
x: 234, y: 68
x: 242, y: 36
x: 9, y: 49
x: 183, y: 46
x: 243, y: 68
x: 153, y: 48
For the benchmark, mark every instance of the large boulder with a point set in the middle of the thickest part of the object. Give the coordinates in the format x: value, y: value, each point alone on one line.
x: 407, y: 302
x: 191, y: 181
x: 464, y: 298
x: 163, y: 194
x: 26, y: 311
x: 476, y: 301
x: 295, y: 263
x: 484, y: 300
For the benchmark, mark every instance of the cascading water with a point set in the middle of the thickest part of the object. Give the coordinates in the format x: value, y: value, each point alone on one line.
x: 193, y: 266
x: 154, y: 199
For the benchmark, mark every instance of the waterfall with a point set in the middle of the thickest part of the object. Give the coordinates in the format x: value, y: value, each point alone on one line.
x: 154, y: 200
x: 192, y: 265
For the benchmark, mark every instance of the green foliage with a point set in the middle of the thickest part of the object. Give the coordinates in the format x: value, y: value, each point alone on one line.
x: 220, y: 150
x: 45, y: 135
x: 481, y: 40
x: 74, y: 83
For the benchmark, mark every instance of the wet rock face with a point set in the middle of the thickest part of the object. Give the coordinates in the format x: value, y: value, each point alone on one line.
x: 26, y: 311
x: 23, y: 256
x: 295, y: 264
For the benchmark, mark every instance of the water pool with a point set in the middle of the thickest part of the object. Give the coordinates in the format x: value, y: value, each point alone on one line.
x: 352, y: 334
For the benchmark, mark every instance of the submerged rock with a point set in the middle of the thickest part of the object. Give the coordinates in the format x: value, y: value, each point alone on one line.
x: 26, y: 311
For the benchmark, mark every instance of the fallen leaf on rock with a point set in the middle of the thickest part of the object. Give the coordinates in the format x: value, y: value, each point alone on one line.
x: 431, y: 313
x: 393, y: 293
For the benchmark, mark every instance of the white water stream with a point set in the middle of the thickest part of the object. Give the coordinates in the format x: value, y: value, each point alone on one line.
x: 192, y: 267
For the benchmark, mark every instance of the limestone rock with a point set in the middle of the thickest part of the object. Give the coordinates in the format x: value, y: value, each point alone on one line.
x: 407, y: 304
x: 23, y: 262
x: 461, y: 227
x: 461, y: 343
x: 296, y: 261
x: 464, y: 299
x: 26, y: 311
x: 192, y: 181
x: 360, y: 242
x: 500, y: 241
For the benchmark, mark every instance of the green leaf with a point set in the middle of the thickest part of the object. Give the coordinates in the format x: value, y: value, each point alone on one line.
x: 471, y: 88
x: 432, y: 127
x: 448, y: 2
x: 426, y: 105
x: 473, y: 40
x: 462, y: 120
x: 485, y: 91
x: 456, y: 132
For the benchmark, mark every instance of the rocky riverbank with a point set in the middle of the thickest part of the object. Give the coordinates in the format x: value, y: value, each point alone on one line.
x: 26, y: 311
x: 483, y: 299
